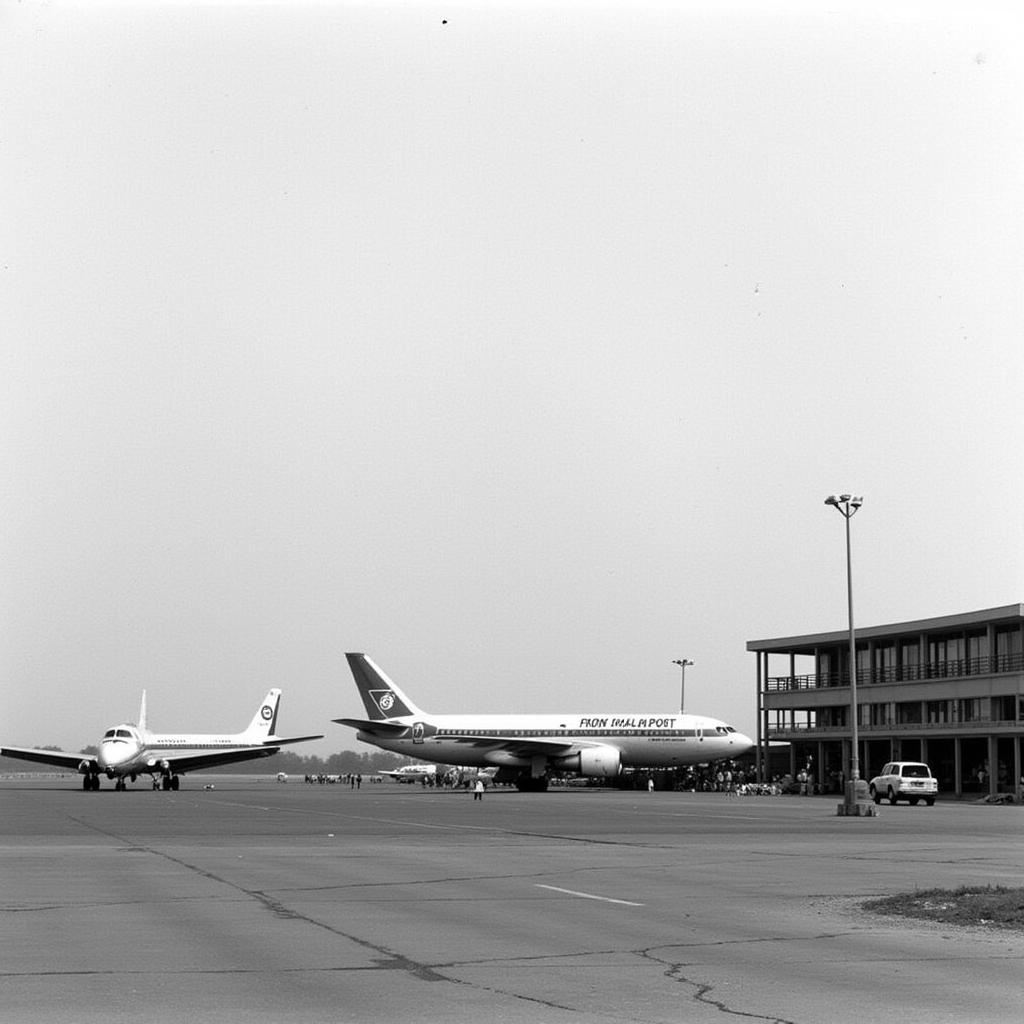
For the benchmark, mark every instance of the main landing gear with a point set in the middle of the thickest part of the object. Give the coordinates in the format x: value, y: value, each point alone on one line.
x: 168, y: 782
x: 90, y: 782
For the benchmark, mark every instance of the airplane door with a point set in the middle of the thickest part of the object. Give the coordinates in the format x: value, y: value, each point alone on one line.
x: 417, y: 732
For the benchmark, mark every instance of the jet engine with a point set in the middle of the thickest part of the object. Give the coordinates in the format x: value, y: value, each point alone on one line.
x: 598, y: 762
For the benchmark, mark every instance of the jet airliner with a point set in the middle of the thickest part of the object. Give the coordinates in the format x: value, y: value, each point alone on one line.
x: 525, y: 748
x: 130, y: 750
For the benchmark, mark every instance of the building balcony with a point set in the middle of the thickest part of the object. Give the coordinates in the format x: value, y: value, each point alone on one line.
x: 959, y: 669
x: 807, y: 730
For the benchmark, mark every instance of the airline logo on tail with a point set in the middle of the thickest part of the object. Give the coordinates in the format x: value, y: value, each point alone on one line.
x: 385, y: 701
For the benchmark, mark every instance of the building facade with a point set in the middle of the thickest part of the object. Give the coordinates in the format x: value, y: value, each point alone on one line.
x: 948, y: 691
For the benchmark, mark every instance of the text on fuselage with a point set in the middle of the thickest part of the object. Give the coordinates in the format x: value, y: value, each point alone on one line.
x: 627, y: 723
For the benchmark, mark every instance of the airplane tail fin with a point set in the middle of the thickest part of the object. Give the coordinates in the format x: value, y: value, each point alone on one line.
x: 142, y: 714
x: 264, y: 722
x: 382, y: 698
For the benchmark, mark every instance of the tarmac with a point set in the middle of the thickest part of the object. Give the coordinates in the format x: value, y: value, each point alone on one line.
x: 257, y: 901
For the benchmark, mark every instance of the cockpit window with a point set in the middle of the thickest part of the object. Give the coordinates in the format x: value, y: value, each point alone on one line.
x: 108, y: 734
x: 123, y: 733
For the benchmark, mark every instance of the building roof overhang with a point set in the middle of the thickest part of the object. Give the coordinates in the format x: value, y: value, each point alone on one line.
x: 944, y: 623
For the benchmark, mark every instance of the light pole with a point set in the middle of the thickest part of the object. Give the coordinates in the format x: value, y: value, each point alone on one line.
x: 682, y: 663
x: 846, y: 505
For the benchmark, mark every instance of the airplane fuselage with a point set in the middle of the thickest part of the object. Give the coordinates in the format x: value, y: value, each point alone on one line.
x: 662, y: 741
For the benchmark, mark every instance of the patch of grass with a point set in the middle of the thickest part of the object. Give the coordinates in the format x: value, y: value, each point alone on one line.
x: 989, y: 906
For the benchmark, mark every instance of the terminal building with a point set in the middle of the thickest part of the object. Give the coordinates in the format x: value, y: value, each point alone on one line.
x: 948, y: 691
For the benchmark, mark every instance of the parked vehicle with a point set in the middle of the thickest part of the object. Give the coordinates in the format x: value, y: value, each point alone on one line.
x: 904, y: 780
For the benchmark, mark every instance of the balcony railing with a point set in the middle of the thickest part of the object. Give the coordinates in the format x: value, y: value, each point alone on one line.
x: 775, y: 729
x: 958, y: 668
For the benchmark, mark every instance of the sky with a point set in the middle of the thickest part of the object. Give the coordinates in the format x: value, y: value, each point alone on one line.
x: 514, y: 344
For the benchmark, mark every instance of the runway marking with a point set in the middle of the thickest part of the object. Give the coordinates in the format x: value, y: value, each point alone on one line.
x: 589, y: 895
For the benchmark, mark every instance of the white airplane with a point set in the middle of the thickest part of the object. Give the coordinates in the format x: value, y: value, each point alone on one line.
x: 526, y: 747
x: 411, y: 772
x: 129, y: 750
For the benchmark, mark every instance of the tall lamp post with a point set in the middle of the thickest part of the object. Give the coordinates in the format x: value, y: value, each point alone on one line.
x: 846, y: 505
x: 682, y: 663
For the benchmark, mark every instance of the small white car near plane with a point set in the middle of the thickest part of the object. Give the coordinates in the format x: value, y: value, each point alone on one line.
x: 525, y: 748
x: 904, y: 780
x: 129, y: 750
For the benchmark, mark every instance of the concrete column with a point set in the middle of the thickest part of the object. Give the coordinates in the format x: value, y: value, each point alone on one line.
x: 761, y: 737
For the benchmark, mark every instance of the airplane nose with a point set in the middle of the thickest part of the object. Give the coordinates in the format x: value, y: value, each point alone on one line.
x: 744, y: 741
x: 112, y: 754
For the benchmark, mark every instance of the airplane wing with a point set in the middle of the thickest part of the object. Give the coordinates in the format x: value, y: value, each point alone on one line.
x: 520, y: 744
x: 60, y: 758
x: 181, y: 763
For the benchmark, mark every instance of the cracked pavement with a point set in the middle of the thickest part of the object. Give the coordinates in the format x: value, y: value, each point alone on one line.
x: 322, y: 904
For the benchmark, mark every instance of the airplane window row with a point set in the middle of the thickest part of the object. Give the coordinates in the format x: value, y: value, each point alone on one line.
x: 547, y: 733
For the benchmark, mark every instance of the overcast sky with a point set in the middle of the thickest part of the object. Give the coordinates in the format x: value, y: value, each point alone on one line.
x: 516, y: 345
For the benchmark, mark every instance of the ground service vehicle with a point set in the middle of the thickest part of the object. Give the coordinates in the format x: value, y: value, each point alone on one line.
x: 904, y: 780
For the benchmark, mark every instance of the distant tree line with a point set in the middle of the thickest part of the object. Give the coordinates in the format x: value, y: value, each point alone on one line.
x: 344, y: 762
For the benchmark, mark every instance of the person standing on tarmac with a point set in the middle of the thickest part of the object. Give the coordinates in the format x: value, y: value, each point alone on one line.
x: 478, y: 789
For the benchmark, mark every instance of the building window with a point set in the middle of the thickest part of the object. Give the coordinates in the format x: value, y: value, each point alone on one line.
x: 1008, y: 650
x: 910, y: 660
x: 908, y: 712
x: 970, y: 710
x: 863, y: 665
x: 832, y: 718
x: 1003, y: 709
x: 977, y: 653
x: 885, y: 663
x: 938, y: 712
x: 946, y: 655
x: 824, y: 669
